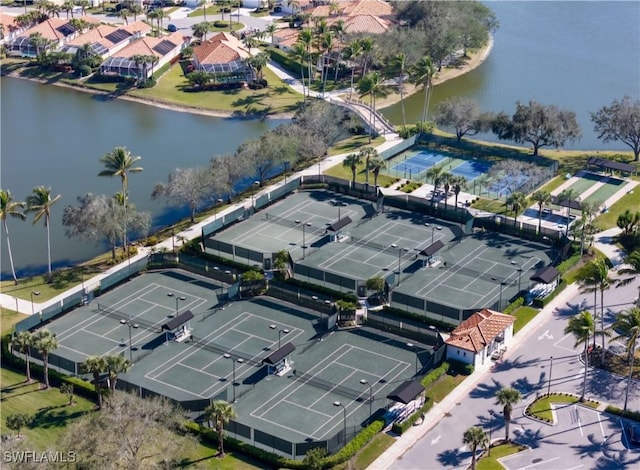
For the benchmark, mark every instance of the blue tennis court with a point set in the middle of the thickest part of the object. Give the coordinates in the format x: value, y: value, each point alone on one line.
x: 418, y: 163
x: 471, y: 169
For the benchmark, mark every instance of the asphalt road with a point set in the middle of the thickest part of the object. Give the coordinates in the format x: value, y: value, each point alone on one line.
x: 595, y: 441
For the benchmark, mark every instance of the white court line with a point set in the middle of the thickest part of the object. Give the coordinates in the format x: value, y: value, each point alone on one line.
x: 182, y: 364
x: 190, y: 392
x: 556, y: 344
x: 353, y: 371
x: 306, y: 408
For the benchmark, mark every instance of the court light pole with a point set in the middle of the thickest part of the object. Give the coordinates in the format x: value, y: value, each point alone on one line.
x: 233, y: 362
x: 280, y: 331
x: 36, y: 293
x: 515, y: 263
x: 130, y: 325
x: 550, y: 372
x: 415, y: 350
x: 502, y: 283
x: 253, y: 194
x: 178, y: 299
x: 344, y: 420
x: 304, y: 239
x: 433, y: 230
x: 366, y: 382
x: 286, y: 167
x: 215, y: 208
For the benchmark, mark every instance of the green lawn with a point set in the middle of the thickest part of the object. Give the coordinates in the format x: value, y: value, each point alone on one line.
x: 353, y: 144
x: 341, y: 171
x: 277, y: 97
x: 48, y: 407
x: 490, y: 205
x: 523, y: 316
x: 443, y: 386
x: 541, y: 408
x: 381, y: 442
x: 8, y: 318
x: 490, y: 462
x: 608, y: 219
x: 552, y: 184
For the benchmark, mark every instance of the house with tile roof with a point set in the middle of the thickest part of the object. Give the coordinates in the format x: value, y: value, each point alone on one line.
x: 223, y: 55
x: 165, y: 48
x: 479, y: 336
x: 56, y: 31
x: 107, y: 40
x: 10, y: 28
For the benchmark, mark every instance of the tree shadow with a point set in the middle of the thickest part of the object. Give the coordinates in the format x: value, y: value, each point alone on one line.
x: 532, y: 438
x: 483, y: 390
x: 453, y: 457
x: 53, y: 417
x: 615, y: 462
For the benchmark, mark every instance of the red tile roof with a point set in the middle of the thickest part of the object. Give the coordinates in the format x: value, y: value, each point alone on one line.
x: 360, y: 16
x: 145, y: 45
x: 97, y: 34
x: 220, y: 49
x: 479, y: 330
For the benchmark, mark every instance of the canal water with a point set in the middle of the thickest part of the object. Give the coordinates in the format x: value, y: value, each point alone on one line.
x: 576, y: 55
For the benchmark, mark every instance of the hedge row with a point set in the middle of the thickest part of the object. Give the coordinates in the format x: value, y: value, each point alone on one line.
x: 396, y: 312
x: 461, y: 367
x: 541, y: 303
x: 402, y: 427
x: 276, y: 461
x: 519, y: 302
x: 292, y: 66
x: 633, y: 415
x: 435, y: 374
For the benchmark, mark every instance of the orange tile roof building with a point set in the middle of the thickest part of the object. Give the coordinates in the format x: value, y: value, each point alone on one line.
x: 107, y: 40
x: 10, y: 28
x: 222, y: 54
x: 479, y: 336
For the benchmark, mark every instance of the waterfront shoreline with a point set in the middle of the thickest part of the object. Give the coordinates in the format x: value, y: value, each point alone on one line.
x: 448, y: 74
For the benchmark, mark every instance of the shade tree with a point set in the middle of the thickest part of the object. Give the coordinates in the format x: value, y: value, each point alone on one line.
x: 537, y: 124
x: 191, y: 187
x: 464, y: 116
x: 619, y: 122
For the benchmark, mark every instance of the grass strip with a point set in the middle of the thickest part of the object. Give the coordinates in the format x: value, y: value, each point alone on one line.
x: 490, y: 462
x: 541, y: 408
x: 523, y: 316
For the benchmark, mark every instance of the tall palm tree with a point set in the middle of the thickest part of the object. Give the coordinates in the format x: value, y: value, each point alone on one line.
x: 45, y: 342
x: 120, y: 162
x: 399, y: 66
x: 352, y: 161
x: 305, y: 37
x: 542, y: 198
x: 366, y: 53
x: 507, y: 397
x: 23, y: 342
x: 220, y: 412
x: 517, y: 201
x: 375, y: 165
x: 366, y: 154
x: 475, y: 437
x: 299, y: 53
x: 422, y: 74
x: 328, y: 44
x: 352, y: 54
x: 582, y: 326
x: 116, y: 364
x: 10, y: 208
x: 95, y: 365
x: 569, y: 196
x: 372, y: 85
x: 435, y: 175
x: 593, y: 277
x: 40, y: 202
x: 458, y: 183
x: 631, y: 268
x: 271, y: 30
x: 294, y: 5
x: 627, y: 323
x: 446, y: 185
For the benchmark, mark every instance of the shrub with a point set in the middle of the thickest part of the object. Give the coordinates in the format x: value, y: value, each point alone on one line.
x: 435, y: 374
x: 400, y: 428
x: 461, y: 367
x: 633, y: 415
x: 221, y: 24
x: 83, y: 70
x: 513, y: 305
x: 148, y: 83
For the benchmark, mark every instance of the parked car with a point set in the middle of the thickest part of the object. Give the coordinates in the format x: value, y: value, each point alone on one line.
x: 172, y: 28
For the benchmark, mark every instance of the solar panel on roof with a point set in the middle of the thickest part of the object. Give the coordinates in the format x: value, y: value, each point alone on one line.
x: 67, y: 29
x: 98, y: 48
x: 118, y: 35
x: 164, y: 47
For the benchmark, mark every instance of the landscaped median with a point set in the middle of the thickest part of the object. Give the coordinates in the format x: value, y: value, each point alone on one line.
x: 541, y: 410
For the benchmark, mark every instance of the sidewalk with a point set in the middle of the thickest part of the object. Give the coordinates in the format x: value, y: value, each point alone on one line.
x: 439, y: 410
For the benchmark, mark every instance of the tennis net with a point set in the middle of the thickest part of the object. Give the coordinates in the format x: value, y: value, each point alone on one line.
x: 118, y: 315
x: 214, y: 348
x: 322, y: 384
x: 406, y: 253
x: 274, y: 219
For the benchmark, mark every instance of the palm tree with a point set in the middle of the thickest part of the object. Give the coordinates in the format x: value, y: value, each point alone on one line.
x: 135, y: 10
x: 328, y: 44
x: 475, y: 437
x: 446, y: 185
x: 352, y: 161
x: 116, y: 364
x: 517, y: 201
x: 375, y: 165
x: 434, y: 174
x: 568, y: 196
x: 366, y: 154
x: 366, y: 53
x: 399, y: 66
x: 542, y: 198
x: 271, y: 30
x: 259, y: 62
x: 40, y: 203
x: 23, y: 342
x: 372, y: 85
x: 120, y: 162
x: 458, y: 183
x: 507, y: 397
x: 582, y: 326
x: 294, y: 5
x: 630, y: 267
x: 593, y: 277
x: 45, y: 342
x: 220, y: 412
x: 10, y: 208
x: 628, y: 325
x: 124, y: 14
x: 200, y: 30
x: 305, y: 37
x: 68, y: 7
x: 422, y: 74
x: 95, y: 365
x: 299, y: 53
x: 83, y: 4
x: 352, y: 53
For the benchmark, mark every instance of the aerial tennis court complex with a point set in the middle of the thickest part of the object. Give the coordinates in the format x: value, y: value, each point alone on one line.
x: 223, y: 357
x: 439, y: 268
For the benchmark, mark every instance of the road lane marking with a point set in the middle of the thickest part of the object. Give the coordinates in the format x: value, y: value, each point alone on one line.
x: 436, y: 440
